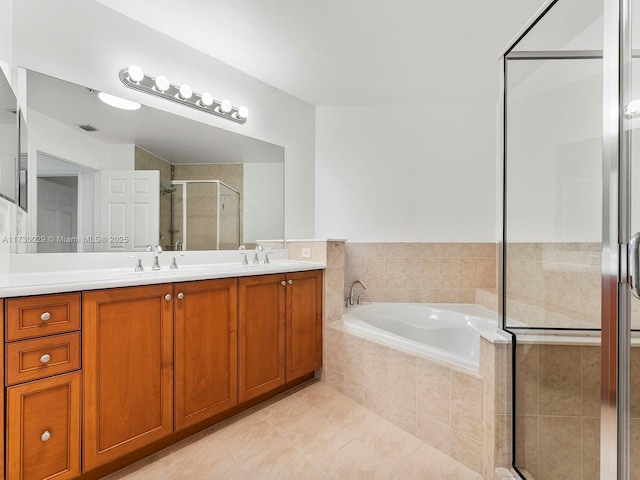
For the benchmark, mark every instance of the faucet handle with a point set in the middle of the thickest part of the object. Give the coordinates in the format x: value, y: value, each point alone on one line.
x: 360, y: 298
x: 148, y: 248
x: 174, y: 265
x: 139, y: 267
x: 266, y: 258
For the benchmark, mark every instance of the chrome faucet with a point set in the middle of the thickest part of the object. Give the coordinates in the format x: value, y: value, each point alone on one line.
x: 255, y: 257
x: 174, y: 265
x: 156, y: 251
x: 243, y: 249
x: 178, y: 246
x: 353, y: 287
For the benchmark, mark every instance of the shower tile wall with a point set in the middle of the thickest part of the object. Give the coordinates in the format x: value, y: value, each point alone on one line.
x: 148, y: 161
x: 554, y: 284
x: 421, y: 272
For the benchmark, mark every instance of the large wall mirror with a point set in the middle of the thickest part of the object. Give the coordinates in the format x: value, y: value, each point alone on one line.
x: 8, y: 142
x: 107, y: 179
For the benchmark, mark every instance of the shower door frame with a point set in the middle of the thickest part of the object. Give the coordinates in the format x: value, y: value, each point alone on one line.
x: 615, y: 306
x: 185, y: 201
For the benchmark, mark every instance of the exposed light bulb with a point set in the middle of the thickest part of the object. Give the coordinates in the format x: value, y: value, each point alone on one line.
x: 162, y: 83
x: 206, y: 99
x: 225, y: 106
x: 118, y: 102
x: 632, y: 108
x: 243, y: 112
x: 135, y: 73
x: 186, y: 91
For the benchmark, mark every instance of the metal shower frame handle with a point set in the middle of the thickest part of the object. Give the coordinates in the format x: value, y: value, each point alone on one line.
x: 633, y: 266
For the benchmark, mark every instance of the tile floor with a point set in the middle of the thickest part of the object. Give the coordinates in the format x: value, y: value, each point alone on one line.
x: 311, y: 432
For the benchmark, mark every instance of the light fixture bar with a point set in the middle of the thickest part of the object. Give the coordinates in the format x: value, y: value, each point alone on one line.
x: 161, y: 87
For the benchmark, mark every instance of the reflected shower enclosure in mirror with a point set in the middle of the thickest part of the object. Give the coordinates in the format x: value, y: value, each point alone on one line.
x: 115, y: 180
x: 8, y: 142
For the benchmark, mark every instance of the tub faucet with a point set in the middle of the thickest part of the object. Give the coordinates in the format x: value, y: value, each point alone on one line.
x: 350, y: 301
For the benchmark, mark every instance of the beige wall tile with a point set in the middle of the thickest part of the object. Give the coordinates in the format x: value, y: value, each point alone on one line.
x: 411, y: 295
x: 466, y: 451
x: 412, y: 273
x: 376, y: 402
x: 591, y: 381
x: 402, y: 378
x: 434, y: 433
x: 467, y: 295
x: 402, y: 416
x: 591, y: 449
x: 430, y: 273
x: 376, y: 367
x: 375, y: 273
x: 430, y: 295
x: 449, y: 295
x: 468, y: 273
x: 434, y: 391
x: 560, y: 380
x: 393, y: 295
x: 449, y: 275
x: 393, y: 250
x: 527, y: 384
x: 353, y: 358
x: 393, y: 272
x: 466, y: 405
x: 353, y: 390
x: 560, y: 452
x: 486, y: 272
x: 486, y: 249
x: 375, y: 250
x: 527, y: 443
x: 450, y: 250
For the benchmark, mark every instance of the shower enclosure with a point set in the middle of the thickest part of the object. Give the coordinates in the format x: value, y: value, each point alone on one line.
x: 200, y: 215
x: 571, y: 170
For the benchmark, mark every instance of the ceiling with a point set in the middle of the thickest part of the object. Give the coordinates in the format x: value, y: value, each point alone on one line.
x: 350, y: 52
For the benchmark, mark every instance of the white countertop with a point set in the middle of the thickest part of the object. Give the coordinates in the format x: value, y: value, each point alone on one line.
x: 38, y: 283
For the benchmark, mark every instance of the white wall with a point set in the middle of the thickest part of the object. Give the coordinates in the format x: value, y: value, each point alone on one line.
x: 61, y: 141
x: 262, y: 201
x: 406, y: 173
x: 554, y: 151
x: 6, y: 36
x: 86, y: 43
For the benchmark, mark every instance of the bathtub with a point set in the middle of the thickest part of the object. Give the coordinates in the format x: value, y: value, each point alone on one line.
x: 447, y: 332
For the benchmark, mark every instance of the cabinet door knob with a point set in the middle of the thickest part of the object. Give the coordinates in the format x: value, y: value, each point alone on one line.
x: 45, y: 316
x: 283, y: 283
x: 45, y: 436
x: 167, y: 297
x: 290, y: 282
x: 45, y: 358
x: 180, y: 296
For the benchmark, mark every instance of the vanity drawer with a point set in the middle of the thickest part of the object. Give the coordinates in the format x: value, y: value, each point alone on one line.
x: 42, y: 357
x: 29, y: 317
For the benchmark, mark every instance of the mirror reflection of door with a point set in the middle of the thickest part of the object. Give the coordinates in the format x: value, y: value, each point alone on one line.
x: 58, y: 214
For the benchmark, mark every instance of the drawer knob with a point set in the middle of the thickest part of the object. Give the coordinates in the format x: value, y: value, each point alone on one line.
x: 45, y: 436
x: 167, y: 297
x: 45, y: 316
x: 290, y: 282
x: 283, y: 283
x: 45, y: 358
x: 180, y: 296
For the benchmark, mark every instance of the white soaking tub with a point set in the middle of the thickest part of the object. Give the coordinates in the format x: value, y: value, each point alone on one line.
x: 448, y: 332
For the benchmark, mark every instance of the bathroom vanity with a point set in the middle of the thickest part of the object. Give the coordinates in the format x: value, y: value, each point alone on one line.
x: 97, y: 378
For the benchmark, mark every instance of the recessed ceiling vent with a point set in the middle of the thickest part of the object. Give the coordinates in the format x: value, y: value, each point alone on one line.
x: 88, y: 128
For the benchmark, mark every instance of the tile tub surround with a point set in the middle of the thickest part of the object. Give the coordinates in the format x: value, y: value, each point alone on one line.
x: 463, y: 414
x: 421, y: 272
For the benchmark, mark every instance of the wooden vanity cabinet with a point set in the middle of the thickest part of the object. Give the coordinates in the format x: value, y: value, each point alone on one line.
x: 303, y: 323
x: 42, y: 399
x: 128, y: 368
x: 261, y: 334
x: 44, y: 428
x: 206, y: 361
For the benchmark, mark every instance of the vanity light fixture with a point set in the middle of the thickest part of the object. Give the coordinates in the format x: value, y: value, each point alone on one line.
x: 135, y: 78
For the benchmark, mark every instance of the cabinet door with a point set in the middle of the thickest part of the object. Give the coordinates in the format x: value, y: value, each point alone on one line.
x: 261, y: 337
x: 304, y: 323
x: 206, y: 362
x: 127, y: 359
x: 43, y: 429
